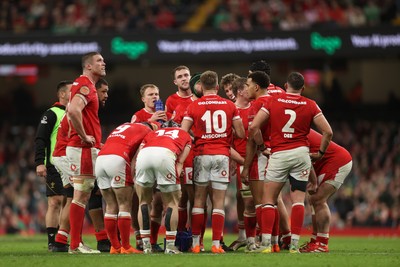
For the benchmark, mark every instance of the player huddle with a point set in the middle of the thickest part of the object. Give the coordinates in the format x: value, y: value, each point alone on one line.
x: 167, y: 163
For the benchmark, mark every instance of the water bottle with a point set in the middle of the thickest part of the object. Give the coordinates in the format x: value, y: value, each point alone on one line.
x: 159, y: 105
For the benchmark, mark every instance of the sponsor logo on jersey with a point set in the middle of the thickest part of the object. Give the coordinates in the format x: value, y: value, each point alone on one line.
x: 290, y: 101
x: 212, y: 102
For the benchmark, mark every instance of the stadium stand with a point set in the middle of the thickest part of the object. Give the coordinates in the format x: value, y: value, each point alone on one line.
x: 81, y: 17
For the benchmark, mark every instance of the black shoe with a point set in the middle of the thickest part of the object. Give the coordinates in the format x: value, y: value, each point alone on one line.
x: 156, y: 248
x: 60, y: 247
x: 139, y: 247
x: 50, y: 247
x: 225, y: 247
x: 104, y: 245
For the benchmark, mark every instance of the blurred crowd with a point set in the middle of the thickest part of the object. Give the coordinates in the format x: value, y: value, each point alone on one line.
x: 90, y: 16
x: 248, y: 15
x: 370, y: 195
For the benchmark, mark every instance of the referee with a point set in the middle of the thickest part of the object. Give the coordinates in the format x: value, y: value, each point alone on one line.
x: 44, y: 145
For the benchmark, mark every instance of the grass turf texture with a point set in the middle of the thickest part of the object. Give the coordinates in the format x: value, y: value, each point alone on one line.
x: 345, y: 251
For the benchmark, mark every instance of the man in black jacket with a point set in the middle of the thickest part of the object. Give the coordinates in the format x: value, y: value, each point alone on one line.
x: 44, y: 145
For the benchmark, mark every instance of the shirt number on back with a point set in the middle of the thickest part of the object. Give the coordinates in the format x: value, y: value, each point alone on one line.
x: 172, y: 134
x: 287, y: 129
x: 215, y: 121
x: 120, y: 129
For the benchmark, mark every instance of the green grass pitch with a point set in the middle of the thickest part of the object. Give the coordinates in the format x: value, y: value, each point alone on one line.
x: 31, y: 251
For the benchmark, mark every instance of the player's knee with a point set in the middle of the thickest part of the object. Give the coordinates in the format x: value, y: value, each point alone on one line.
x: 83, y: 184
x: 317, y: 200
x: 54, y: 203
x: 56, y: 200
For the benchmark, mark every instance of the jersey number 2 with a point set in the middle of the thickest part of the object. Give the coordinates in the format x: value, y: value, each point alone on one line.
x: 288, y: 126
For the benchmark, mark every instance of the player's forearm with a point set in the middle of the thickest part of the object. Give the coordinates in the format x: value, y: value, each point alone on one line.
x: 179, y: 167
x: 326, y: 130
x: 258, y: 139
x: 251, y: 148
x: 239, y: 131
x: 325, y: 141
x: 236, y: 156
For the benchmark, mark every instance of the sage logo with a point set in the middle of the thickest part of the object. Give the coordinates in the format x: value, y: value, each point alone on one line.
x: 132, y: 49
x: 329, y: 44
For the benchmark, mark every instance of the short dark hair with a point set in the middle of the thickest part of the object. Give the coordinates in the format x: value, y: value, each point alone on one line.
x: 86, y: 57
x: 260, y: 65
x: 100, y: 82
x: 181, y: 67
x: 62, y: 85
x: 261, y: 78
x: 238, y: 84
x: 209, y: 80
x: 228, y: 79
x: 295, y: 80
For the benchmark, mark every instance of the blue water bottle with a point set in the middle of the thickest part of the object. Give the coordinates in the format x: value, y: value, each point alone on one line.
x: 159, y: 105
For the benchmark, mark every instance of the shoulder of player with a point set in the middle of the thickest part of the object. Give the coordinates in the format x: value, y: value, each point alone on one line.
x: 172, y: 97
x: 169, y: 99
x: 83, y: 85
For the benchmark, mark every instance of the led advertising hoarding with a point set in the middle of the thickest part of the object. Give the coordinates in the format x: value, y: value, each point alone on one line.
x: 162, y: 47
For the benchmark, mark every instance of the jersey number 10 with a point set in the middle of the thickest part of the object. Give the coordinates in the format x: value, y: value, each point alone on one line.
x: 213, y: 120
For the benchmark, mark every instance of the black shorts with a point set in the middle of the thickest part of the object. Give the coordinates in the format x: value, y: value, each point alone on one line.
x: 68, y: 192
x: 54, y: 186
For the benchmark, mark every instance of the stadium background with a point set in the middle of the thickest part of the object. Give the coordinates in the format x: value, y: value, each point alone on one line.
x: 351, y: 70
